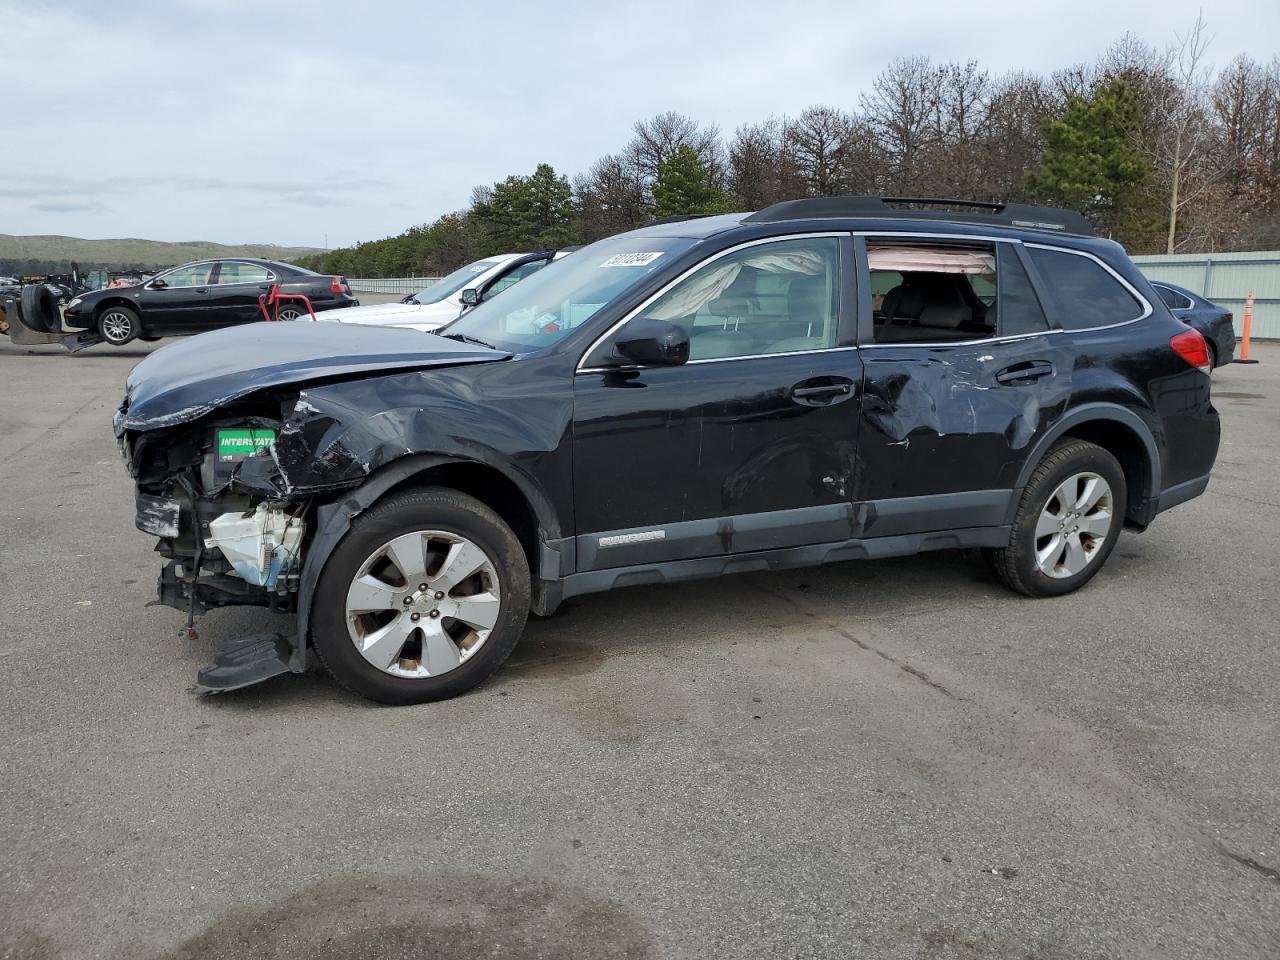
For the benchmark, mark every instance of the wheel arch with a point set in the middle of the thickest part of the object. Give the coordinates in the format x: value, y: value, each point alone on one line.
x: 516, y: 499
x: 117, y: 301
x: 1122, y: 433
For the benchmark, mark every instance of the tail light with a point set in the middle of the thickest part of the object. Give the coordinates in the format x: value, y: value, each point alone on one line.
x: 1190, y: 346
x: 338, y: 285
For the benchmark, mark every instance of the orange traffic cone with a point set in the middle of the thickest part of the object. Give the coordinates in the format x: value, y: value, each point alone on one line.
x: 1248, y: 330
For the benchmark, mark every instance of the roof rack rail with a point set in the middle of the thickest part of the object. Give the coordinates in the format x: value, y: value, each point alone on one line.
x: 680, y: 218
x: 1025, y: 215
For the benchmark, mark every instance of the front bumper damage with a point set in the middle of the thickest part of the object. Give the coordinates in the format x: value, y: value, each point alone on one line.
x: 252, y: 450
x: 230, y: 535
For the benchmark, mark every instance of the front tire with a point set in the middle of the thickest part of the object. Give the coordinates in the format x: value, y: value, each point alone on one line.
x: 422, y: 600
x: 1068, y: 521
x: 118, y: 325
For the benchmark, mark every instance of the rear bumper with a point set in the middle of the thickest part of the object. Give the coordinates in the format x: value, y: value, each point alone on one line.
x: 1224, y: 342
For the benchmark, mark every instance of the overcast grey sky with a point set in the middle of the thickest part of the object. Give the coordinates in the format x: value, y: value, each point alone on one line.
x: 283, y: 122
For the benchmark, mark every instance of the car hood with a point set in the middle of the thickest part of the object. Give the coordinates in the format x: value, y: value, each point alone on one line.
x: 188, y: 379
x: 394, y: 314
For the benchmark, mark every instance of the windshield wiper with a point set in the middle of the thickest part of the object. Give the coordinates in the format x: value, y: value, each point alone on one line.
x: 465, y: 338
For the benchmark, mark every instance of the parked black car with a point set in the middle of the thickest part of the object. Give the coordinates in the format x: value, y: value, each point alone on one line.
x: 201, y: 296
x: 823, y: 380
x: 1215, y: 323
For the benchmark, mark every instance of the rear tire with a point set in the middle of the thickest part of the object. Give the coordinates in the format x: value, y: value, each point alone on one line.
x: 118, y: 325
x: 292, y: 311
x: 383, y: 637
x: 1068, y: 522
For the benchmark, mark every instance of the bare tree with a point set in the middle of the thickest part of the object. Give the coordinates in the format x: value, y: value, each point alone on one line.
x: 761, y: 170
x: 1183, y: 138
x: 955, y: 154
x: 900, y: 112
x: 1013, y: 139
x: 1246, y: 108
x: 819, y: 142
x: 611, y: 198
x: 658, y: 137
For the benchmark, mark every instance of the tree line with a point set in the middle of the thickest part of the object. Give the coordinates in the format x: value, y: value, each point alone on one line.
x: 1158, y: 150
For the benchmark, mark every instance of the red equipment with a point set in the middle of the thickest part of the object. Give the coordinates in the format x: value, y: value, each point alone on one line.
x: 273, y: 297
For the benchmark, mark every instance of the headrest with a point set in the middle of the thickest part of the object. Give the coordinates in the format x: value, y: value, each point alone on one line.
x: 908, y: 303
x: 729, y: 307
x: 805, y: 295
x: 945, y: 317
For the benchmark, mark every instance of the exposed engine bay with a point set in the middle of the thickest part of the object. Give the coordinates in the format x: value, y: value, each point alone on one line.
x: 228, y: 540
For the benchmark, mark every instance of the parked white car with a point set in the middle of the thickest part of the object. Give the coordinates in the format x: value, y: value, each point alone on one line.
x: 448, y: 298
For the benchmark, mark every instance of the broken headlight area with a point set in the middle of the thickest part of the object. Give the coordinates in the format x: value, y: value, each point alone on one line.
x: 210, y: 492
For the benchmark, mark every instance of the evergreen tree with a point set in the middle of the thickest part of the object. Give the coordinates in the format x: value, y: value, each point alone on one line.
x: 528, y: 213
x: 684, y: 186
x: 1092, y: 162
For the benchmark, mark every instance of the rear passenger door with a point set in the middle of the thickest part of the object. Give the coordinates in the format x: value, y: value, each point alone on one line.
x: 235, y: 291
x: 963, y: 373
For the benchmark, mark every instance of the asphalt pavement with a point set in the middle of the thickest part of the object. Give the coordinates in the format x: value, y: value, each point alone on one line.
x: 888, y: 759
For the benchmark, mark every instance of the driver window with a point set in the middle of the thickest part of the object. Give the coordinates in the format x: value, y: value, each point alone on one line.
x: 778, y: 297
x: 195, y: 275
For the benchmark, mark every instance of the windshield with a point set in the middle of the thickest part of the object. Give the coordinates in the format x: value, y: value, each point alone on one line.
x: 454, y: 282
x: 537, y: 312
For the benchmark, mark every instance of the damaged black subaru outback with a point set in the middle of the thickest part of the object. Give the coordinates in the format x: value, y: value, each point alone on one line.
x: 822, y: 380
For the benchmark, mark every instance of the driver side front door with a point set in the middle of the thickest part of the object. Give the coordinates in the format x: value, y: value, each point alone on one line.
x: 181, y: 305
x: 751, y: 444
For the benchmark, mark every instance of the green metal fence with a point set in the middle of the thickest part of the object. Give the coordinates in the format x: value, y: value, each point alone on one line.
x: 1226, y: 278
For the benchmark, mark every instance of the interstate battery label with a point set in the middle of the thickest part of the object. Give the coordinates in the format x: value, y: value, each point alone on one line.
x: 238, y: 444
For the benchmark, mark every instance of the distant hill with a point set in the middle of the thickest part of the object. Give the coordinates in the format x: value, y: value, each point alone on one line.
x: 44, y: 254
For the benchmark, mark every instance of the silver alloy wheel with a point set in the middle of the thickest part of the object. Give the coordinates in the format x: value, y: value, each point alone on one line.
x: 116, y: 326
x: 289, y: 313
x: 1074, y: 525
x: 423, y: 603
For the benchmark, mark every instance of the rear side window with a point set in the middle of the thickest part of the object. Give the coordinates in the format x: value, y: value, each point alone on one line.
x: 234, y: 272
x: 1086, y: 294
x: 928, y: 292
x: 1172, y: 298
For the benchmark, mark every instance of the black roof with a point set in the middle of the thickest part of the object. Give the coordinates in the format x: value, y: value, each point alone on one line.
x: 881, y: 213
x: 1021, y: 215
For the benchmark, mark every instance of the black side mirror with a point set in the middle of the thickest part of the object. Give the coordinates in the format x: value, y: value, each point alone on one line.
x: 652, y: 343
x: 158, y: 284
x: 469, y: 297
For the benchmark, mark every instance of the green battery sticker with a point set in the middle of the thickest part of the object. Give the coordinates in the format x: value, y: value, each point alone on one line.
x: 238, y: 444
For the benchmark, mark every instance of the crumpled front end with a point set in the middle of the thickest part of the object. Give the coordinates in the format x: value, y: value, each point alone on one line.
x: 211, y: 493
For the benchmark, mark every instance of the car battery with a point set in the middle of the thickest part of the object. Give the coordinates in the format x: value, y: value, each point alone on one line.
x: 231, y: 447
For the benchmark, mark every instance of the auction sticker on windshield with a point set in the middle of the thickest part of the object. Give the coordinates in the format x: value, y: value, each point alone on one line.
x: 631, y: 259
